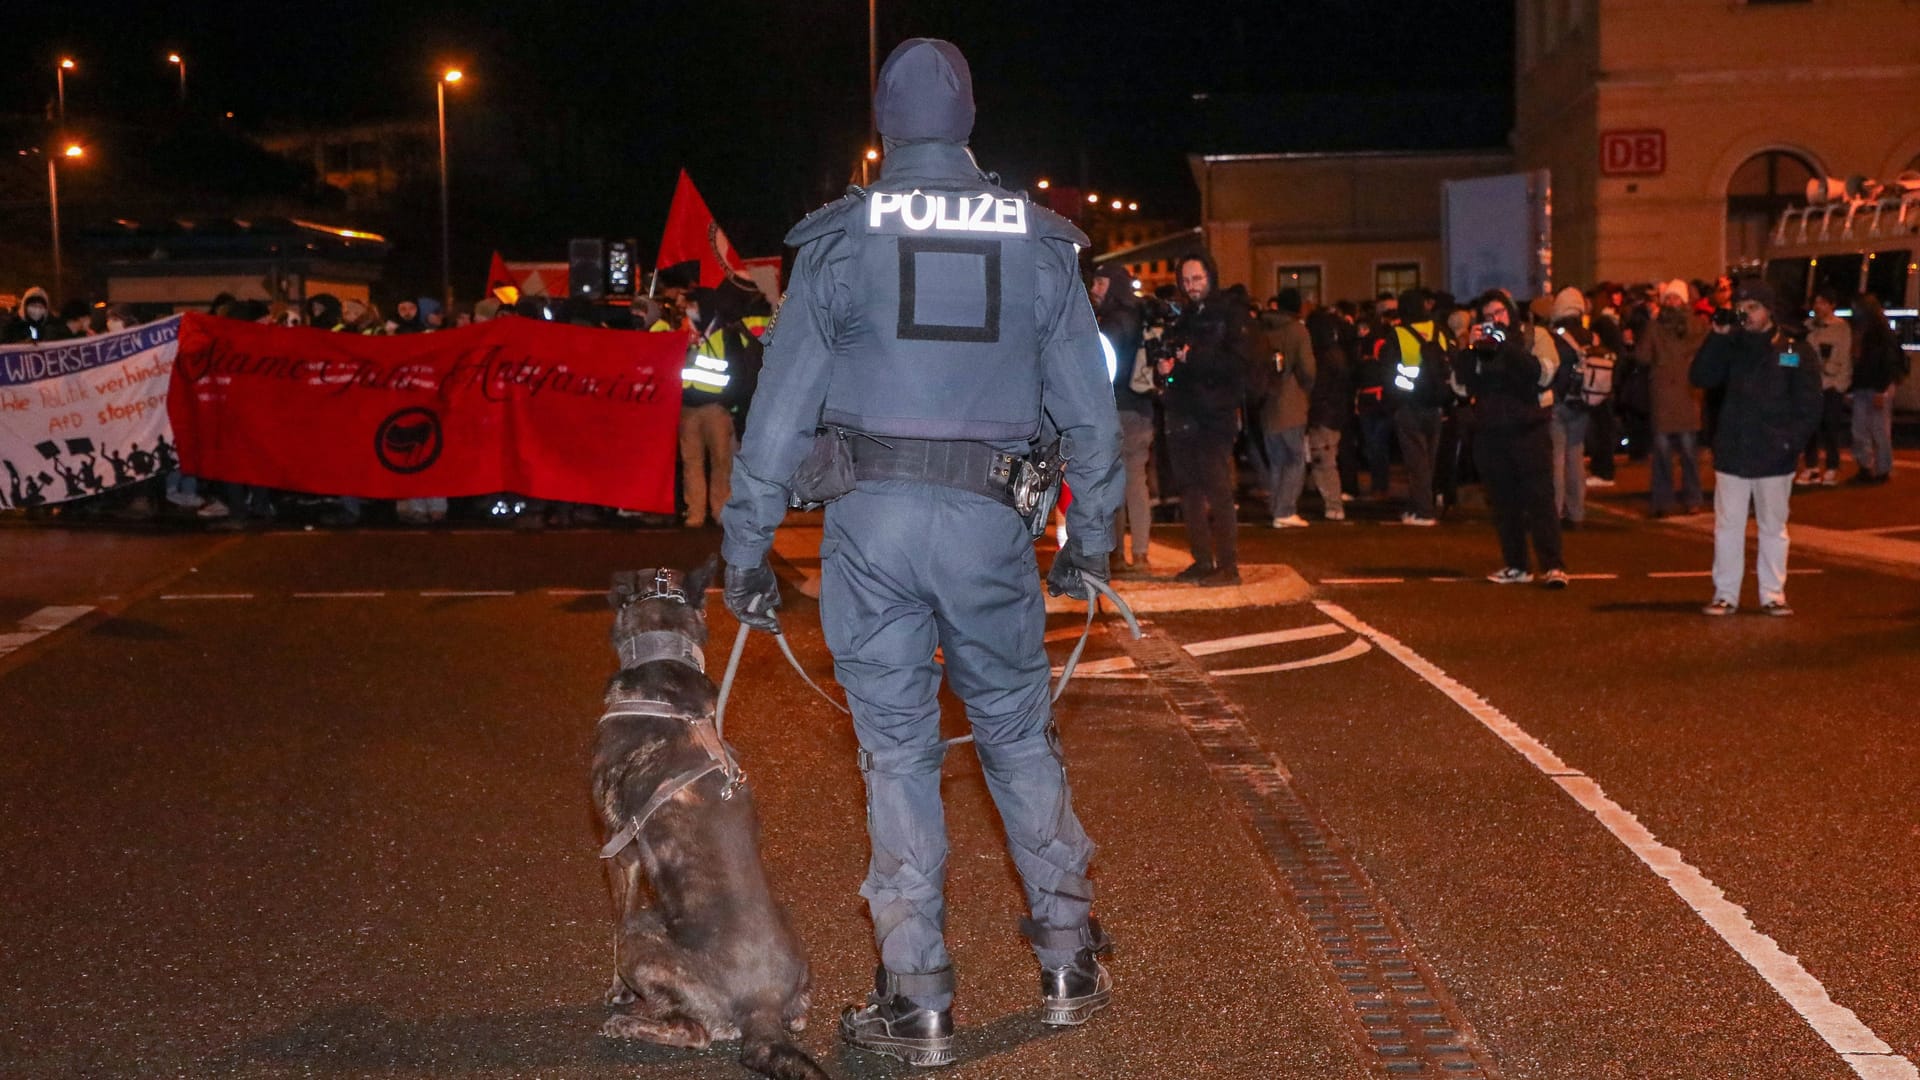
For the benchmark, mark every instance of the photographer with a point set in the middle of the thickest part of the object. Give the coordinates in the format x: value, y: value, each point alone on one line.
x: 1203, y: 382
x: 1512, y: 444
x: 1771, y: 406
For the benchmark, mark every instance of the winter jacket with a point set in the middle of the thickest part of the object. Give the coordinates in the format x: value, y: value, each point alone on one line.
x: 1876, y: 363
x: 1832, y: 346
x: 48, y: 327
x: 1772, y: 401
x: 1666, y: 348
x: 1212, y: 381
x: 1330, y: 403
x: 1121, y: 326
x: 1504, y: 383
x: 1288, y: 389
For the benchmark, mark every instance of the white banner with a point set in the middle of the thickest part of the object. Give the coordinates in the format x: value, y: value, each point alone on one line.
x: 85, y: 416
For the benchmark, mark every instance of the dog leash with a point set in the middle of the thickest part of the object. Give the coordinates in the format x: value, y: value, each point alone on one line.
x: 1098, y: 589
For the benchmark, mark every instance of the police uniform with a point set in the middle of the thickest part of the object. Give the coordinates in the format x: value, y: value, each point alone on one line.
x: 940, y: 323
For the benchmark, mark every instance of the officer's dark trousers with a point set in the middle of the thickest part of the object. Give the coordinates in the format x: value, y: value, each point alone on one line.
x: 907, y: 567
x: 1200, y: 451
x: 1516, y: 464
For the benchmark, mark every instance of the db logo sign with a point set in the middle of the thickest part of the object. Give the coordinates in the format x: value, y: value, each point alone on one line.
x: 1633, y: 153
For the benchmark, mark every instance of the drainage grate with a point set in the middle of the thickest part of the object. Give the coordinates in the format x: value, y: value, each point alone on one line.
x: 1404, y: 1020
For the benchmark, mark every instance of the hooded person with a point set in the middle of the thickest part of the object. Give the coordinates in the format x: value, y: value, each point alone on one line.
x: 432, y: 315
x: 937, y: 329
x: 1118, y: 315
x: 406, y: 318
x: 1771, y: 406
x: 323, y: 312
x: 35, y: 321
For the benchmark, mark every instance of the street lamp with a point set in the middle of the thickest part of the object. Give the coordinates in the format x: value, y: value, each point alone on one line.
x: 180, y: 62
x: 60, y: 81
x: 448, y: 77
x: 866, y: 165
x: 73, y: 150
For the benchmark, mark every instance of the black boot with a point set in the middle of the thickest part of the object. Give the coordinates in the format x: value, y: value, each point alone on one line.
x: 1070, y: 995
x: 891, y: 1024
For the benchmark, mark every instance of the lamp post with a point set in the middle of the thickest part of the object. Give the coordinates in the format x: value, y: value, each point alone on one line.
x: 873, y: 59
x: 60, y: 82
x: 180, y: 62
x: 866, y: 165
x: 72, y: 150
x: 451, y: 75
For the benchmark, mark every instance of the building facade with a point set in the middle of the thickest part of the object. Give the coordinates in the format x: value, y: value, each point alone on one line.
x: 1676, y: 131
x: 1339, y: 225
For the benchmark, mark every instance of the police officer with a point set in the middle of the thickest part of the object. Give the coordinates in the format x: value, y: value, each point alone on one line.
x: 935, y: 332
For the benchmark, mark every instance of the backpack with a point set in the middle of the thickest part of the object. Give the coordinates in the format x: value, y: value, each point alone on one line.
x: 1596, y: 371
x: 1569, y: 381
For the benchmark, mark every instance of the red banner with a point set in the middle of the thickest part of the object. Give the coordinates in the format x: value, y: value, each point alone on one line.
x: 536, y: 408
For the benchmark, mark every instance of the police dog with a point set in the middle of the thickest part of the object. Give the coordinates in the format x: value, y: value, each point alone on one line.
x: 702, y: 951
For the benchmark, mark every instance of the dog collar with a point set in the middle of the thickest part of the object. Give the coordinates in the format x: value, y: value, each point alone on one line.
x: 652, y: 645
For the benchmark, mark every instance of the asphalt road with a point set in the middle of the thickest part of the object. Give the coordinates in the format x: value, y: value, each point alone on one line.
x: 314, y: 804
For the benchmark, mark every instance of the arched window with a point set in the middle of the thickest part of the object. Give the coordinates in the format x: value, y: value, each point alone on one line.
x: 1764, y: 186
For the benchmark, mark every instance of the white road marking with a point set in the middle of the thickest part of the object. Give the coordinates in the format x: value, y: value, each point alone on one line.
x: 1680, y: 573
x: 1888, y: 530
x: 208, y: 596
x: 40, y: 624
x: 444, y: 593
x: 1363, y: 581
x: 1356, y: 647
x: 576, y: 592
x: 1593, y: 577
x: 336, y: 595
x: 1121, y: 667
x: 1865, y: 1052
x: 1254, y: 641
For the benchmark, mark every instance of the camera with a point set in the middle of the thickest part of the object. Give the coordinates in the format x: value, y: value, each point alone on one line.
x: 1730, y: 317
x: 1492, y: 336
x: 1160, y: 338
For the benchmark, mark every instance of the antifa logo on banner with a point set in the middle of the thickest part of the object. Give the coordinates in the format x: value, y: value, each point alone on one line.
x: 409, y: 441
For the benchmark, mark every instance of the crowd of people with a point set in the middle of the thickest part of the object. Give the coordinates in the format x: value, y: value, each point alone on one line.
x: 723, y: 361
x: 1533, y: 400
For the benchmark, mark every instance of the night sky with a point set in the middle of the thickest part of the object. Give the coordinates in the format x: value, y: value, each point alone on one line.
x: 765, y: 103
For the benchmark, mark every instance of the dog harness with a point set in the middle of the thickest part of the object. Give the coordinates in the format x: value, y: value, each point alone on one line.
x: 670, y: 645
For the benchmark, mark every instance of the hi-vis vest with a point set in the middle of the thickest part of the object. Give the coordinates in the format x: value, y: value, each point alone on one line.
x: 1407, y: 372
x: 941, y: 341
x: 706, y: 368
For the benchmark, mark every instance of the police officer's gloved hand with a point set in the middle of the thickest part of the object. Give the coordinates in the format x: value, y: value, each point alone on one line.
x: 1063, y: 577
x: 753, y: 594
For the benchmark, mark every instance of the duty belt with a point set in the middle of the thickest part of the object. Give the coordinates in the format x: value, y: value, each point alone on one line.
x: 969, y: 466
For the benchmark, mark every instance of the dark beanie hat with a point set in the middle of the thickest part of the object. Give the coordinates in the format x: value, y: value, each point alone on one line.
x: 1754, y: 288
x: 925, y: 92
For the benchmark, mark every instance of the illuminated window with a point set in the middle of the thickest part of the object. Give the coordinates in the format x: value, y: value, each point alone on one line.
x: 1306, y: 278
x: 1394, y: 278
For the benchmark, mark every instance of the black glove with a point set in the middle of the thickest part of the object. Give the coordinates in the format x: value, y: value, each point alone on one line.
x: 1063, y: 577
x: 753, y: 594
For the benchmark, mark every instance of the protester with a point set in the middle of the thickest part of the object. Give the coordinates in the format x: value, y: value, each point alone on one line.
x: 359, y: 316
x: 1329, y: 405
x: 1567, y: 319
x: 1373, y: 414
x: 1770, y: 409
x: 1118, y: 315
x: 1666, y: 348
x: 35, y: 322
x: 323, y: 312
x: 1202, y: 388
x: 1831, y: 340
x: 1415, y: 354
x: 1512, y: 444
x: 1878, y: 366
x: 1288, y: 375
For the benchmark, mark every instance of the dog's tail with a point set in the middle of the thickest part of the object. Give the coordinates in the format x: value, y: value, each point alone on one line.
x: 766, y: 1048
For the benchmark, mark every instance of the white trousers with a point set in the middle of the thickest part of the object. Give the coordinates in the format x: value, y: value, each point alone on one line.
x: 1768, y: 496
